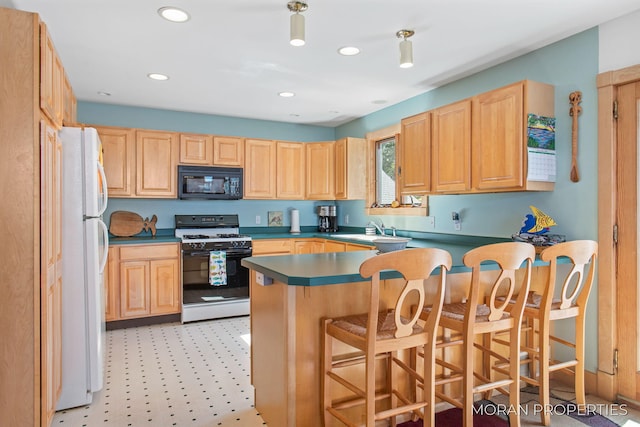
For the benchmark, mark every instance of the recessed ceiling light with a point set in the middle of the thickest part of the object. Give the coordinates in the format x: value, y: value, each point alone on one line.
x: 348, y: 50
x: 294, y: 115
x: 287, y: 94
x: 157, y: 76
x: 379, y: 101
x: 173, y: 14
x: 103, y: 93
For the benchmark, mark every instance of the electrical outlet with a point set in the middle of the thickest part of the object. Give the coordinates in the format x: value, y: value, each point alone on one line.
x: 456, y: 226
x: 258, y: 219
x: 431, y: 222
x: 346, y: 219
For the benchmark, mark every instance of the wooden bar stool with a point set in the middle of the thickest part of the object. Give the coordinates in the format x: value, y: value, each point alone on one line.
x: 481, y: 314
x: 380, y: 334
x: 569, y: 302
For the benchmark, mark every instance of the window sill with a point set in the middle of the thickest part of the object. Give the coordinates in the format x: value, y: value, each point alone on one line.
x: 407, y: 211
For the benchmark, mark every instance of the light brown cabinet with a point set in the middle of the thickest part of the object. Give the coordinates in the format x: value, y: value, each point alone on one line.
x: 413, y: 155
x: 51, y: 79
x: 118, y: 148
x: 260, y: 169
x: 350, y: 169
x: 290, y: 170
x: 499, y: 135
x: 147, y: 279
x: 211, y: 150
x: 112, y: 285
x: 156, y: 164
x: 70, y: 104
x: 30, y: 221
x: 228, y: 151
x: 451, y: 148
x: 320, y: 168
x: 272, y: 247
x: 51, y: 293
x: 309, y: 246
x: 196, y: 149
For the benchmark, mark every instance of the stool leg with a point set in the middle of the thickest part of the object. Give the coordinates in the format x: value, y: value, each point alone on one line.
x: 579, y: 368
x: 428, y: 395
x: 467, y: 383
x: 327, y: 356
x: 543, y: 379
x: 370, y: 387
x: 514, y: 373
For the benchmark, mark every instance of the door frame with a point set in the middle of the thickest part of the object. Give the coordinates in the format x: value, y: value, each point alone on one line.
x: 607, y: 84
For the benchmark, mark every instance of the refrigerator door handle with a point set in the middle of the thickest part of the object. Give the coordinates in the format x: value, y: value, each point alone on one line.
x: 105, y: 195
x: 105, y: 237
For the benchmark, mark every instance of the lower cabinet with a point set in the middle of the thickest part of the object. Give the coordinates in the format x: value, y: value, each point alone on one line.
x: 143, y: 280
x: 272, y: 247
x: 303, y: 246
x: 309, y: 246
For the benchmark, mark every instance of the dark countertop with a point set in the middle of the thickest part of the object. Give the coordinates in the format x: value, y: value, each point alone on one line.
x: 163, y: 235
x: 343, y: 267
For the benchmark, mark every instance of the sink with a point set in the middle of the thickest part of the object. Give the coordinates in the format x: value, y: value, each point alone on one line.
x: 370, y: 238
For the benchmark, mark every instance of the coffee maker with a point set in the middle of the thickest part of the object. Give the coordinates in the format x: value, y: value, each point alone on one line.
x: 327, y: 219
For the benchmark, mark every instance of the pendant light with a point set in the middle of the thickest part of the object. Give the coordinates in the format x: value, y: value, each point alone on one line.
x: 297, y: 22
x: 406, y: 49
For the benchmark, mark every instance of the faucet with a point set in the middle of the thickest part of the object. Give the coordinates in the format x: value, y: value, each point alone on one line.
x: 380, y: 228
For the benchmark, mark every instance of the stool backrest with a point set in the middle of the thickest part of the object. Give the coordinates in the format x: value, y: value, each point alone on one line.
x: 510, y: 256
x: 580, y: 253
x: 415, y: 265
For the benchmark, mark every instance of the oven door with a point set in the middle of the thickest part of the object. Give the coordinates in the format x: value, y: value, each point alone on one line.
x: 195, y: 278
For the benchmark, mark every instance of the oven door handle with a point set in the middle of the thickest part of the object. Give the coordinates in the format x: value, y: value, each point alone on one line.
x: 200, y: 253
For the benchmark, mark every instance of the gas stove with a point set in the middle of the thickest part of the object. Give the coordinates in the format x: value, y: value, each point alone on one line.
x: 203, y: 238
x: 210, y: 232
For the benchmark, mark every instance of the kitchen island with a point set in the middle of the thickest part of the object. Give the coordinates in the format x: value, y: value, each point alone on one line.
x: 290, y: 295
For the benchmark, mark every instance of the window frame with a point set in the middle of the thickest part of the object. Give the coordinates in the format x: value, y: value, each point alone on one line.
x: 373, y: 138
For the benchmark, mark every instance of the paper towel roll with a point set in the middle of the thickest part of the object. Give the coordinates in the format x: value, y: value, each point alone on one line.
x: 295, y: 221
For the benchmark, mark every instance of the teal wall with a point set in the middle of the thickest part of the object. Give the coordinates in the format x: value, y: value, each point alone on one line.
x: 570, y: 64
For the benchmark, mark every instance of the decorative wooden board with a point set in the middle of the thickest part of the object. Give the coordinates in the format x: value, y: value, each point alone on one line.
x: 125, y: 224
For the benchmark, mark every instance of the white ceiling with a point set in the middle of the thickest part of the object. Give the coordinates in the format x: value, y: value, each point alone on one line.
x: 233, y: 57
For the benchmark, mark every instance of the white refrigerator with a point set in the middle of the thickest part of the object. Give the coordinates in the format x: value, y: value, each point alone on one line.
x: 85, y: 242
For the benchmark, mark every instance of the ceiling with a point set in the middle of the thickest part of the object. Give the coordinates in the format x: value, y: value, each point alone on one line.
x: 233, y: 57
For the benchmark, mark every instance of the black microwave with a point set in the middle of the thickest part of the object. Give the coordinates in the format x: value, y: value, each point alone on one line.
x: 209, y: 183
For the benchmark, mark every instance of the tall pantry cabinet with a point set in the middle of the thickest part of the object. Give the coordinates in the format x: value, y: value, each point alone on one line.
x: 33, y: 106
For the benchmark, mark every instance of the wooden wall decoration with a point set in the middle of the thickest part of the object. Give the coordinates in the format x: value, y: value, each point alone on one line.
x: 574, y: 99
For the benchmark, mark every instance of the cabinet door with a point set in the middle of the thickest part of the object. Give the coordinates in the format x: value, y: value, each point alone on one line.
x: 333, y: 246
x: 196, y: 149
x: 164, y: 286
x: 112, y: 285
x: 451, y: 148
x: 351, y: 168
x: 260, y: 169
x: 498, y: 145
x: 134, y: 289
x: 356, y: 247
x: 51, y: 267
x: 70, y: 104
x: 156, y: 164
x: 51, y: 78
x: 228, y: 151
x: 118, y: 148
x: 271, y: 247
x: 413, y: 153
x: 320, y: 165
x: 308, y: 247
x: 290, y: 170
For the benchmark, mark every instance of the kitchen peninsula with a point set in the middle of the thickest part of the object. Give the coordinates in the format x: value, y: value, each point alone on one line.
x: 290, y: 295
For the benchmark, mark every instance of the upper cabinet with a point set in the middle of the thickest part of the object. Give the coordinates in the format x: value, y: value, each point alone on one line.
x: 413, y: 155
x: 320, y: 166
x: 118, y: 147
x: 260, y: 169
x: 290, y: 170
x: 451, y: 148
x: 228, y: 151
x: 51, y: 79
x: 156, y: 164
x: 476, y: 145
x: 350, y: 166
x: 196, y: 149
x: 140, y: 163
x: 70, y: 104
x: 500, y: 125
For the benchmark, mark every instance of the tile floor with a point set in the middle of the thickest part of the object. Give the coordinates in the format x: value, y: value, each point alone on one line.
x: 198, y: 375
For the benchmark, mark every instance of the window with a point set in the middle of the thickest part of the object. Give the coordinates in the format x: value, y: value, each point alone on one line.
x: 386, y: 171
x: 382, y: 169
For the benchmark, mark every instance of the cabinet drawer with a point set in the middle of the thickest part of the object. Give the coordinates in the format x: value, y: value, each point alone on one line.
x: 272, y: 247
x: 148, y: 252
